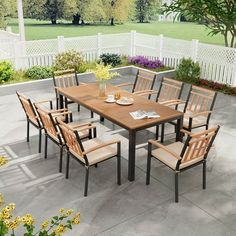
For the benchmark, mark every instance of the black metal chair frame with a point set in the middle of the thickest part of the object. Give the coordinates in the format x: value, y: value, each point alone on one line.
x: 177, y: 171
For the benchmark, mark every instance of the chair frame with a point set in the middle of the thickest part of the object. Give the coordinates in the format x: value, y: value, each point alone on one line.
x: 33, y: 109
x: 86, y: 164
x: 152, y: 143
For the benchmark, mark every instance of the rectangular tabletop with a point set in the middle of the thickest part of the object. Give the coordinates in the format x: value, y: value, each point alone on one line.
x: 87, y: 96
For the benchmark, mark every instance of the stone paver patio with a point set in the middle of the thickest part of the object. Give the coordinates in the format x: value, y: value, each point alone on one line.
x: 133, y: 208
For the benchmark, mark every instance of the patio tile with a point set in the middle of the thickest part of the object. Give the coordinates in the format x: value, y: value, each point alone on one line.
x: 169, y: 218
x: 219, y: 199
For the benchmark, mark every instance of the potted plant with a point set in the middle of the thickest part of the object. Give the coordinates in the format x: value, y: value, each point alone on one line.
x: 102, y: 74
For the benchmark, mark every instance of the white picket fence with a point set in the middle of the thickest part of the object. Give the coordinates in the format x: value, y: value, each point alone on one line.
x: 217, y: 63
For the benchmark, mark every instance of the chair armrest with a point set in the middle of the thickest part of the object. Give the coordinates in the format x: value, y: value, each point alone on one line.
x: 124, y: 84
x: 88, y: 127
x: 157, y: 144
x: 200, y: 114
x: 145, y: 92
x: 101, y: 146
x: 45, y: 101
x: 62, y: 113
x: 79, y: 125
x: 173, y: 102
x: 186, y: 132
x: 58, y: 110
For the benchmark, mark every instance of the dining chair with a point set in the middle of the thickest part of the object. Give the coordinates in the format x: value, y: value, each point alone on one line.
x: 198, y: 108
x: 65, y: 78
x: 144, y: 82
x: 90, y: 152
x: 169, y: 94
x: 32, y: 116
x: 52, y: 131
x: 183, y: 156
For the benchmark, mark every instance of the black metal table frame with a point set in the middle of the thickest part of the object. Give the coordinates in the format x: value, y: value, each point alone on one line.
x: 132, y: 135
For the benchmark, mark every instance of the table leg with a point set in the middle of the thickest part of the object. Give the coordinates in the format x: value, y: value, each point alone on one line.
x: 101, y: 119
x: 132, y: 146
x: 61, y: 104
x: 179, y: 126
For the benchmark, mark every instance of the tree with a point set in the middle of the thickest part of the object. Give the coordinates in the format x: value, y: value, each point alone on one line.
x: 218, y: 15
x: 44, y: 9
x: 7, y: 9
x: 117, y: 10
x: 145, y: 9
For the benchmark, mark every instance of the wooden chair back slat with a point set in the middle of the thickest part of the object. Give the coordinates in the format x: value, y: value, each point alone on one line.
x: 144, y: 81
x: 48, y: 123
x: 71, y: 139
x: 200, y: 100
x: 28, y: 108
x: 199, y: 145
x: 169, y: 90
x: 67, y: 80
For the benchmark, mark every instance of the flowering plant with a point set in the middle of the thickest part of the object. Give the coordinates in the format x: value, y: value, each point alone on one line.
x: 102, y: 72
x: 56, y: 226
x: 145, y: 62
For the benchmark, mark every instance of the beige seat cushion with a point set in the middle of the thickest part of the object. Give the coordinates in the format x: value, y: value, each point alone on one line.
x: 196, y: 121
x: 171, y: 161
x: 99, y: 154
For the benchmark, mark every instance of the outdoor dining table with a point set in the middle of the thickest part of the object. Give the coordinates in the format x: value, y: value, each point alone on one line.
x: 87, y: 95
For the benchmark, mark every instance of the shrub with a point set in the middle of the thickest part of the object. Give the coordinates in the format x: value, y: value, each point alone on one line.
x: 188, y: 71
x: 69, y: 60
x: 6, y: 71
x: 145, y: 62
x: 38, y: 72
x: 110, y: 59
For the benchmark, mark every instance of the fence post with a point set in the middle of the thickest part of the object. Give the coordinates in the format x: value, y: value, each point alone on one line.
x: 161, y: 38
x: 194, y: 49
x: 99, y: 44
x: 132, y: 43
x: 61, y: 44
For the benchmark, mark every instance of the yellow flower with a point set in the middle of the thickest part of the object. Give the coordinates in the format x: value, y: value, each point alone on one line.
x: 62, y: 210
x: 3, y: 161
x: 12, y: 206
x: 1, y: 199
x: 27, y: 219
x: 102, y: 72
x: 60, y: 229
x: 69, y: 212
x: 76, y: 219
x: 15, y: 223
x: 45, y: 224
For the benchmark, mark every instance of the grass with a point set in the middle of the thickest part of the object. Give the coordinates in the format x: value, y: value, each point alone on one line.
x: 180, y: 30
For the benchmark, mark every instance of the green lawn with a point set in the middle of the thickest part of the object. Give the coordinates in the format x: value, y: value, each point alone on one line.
x: 44, y: 30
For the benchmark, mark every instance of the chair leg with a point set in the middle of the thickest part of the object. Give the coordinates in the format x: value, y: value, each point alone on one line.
x: 148, y: 165
x: 46, y: 147
x: 40, y: 140
x: 176, y: 186
x: 96, y: 165
x: 92, y: 114
x: 28, y: 129
x: 86, y: 181
x: 204, y: 175
x: 157, y: 132
x: 162, y: 132
x: 60, y: 161
x: 78, y: 108
x: 118, y: 170
x: 57, y: 103
x: 67, y: 165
